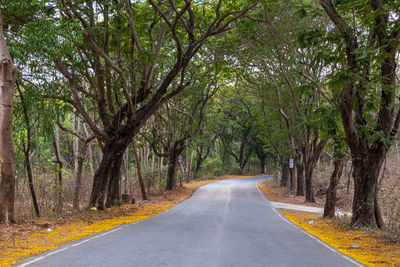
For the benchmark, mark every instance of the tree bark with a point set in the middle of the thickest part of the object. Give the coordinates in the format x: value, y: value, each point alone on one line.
x: 172, y: 158
x: 309, y: 186
x: 30, y: 182
x: 126, y: 169
x: 262, y: 165
x: 8, y: 76
x: 77, y: 161
x: 292, y: 178
x: 111, y: 151
x: 78, y: 182
x: 114, y: 189
x: 78, y: 174
x: 366, y: 212
x: 330, y: 203
x: 300, y: 177
x: 58, y: 182
x: 285, y: 174
x: 311, y: 157
x: 139, y: 173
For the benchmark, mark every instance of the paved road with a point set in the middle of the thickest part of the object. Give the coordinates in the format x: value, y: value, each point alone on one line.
x: 225, y: 223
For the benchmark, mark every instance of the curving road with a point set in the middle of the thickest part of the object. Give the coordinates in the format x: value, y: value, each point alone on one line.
x: 225, y: 223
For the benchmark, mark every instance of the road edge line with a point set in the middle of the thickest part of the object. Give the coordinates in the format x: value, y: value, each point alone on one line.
x: 333, y: 249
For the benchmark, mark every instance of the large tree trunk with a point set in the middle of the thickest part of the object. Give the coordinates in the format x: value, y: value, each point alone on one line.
x: 111, y: 152
x: 285, y: 174
x: 366, y: 211
x: 309, y: 183
x: 300, y: 177
x: 330, y: 203
x: 8, y: 76
x: 114, y: 189
x: 172, y: 158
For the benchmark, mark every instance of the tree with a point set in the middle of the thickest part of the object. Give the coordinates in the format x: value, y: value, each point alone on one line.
x: 183, y: 120
x: 271, y: 58
x: 8, y: 76
x: 338, y: 163
x: 129, y: 82
x: 26, y: 148
x: 364, y: 82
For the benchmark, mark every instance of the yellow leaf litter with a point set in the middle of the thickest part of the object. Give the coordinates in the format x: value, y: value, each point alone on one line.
x: 23, y: 244
x: 373, y: 249
x: 44, y: 240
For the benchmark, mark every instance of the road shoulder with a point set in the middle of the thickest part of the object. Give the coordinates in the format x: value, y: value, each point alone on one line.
x: 365, y: 246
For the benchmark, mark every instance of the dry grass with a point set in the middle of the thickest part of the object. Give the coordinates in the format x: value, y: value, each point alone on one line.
x: 374, y: 249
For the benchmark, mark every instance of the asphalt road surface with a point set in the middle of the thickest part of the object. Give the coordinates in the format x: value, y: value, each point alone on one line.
x: 225, y: 223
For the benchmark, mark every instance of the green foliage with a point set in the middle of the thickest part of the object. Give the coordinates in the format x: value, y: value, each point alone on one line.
x: 118, y: 202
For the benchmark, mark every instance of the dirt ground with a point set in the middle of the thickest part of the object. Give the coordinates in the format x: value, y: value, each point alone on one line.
x: 281, y: 194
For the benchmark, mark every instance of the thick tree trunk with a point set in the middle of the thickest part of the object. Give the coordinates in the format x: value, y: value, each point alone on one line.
x: 366, y: 212
x: 330, y: 203
x: 309, y: 183
x: 300, y: 177
x: 172, y: 158
x: 111, y: 151
x: 285, y: 174
x: 114, y: 189
x: 8, y: 76
x: 139, y: 173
